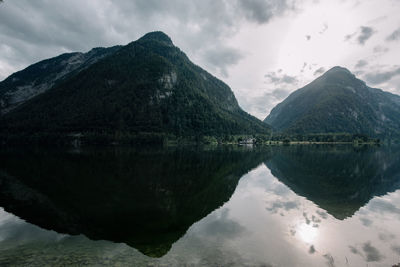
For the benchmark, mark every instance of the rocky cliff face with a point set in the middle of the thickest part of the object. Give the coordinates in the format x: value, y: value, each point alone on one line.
x: 42, y: 76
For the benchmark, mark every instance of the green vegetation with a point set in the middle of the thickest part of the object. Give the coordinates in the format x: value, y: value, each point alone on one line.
x: 42, y: 76
x: 338, y: 102
x: 148, y: 86
x: 325, y: 138
x: 128, y: 138
x: 149, y: 92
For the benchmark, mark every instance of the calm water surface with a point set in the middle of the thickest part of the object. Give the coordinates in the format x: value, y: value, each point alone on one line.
x: 224, y: 206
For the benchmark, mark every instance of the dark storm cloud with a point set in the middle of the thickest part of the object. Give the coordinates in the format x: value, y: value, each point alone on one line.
x: 381, y: 77
x: 221, y: 226
x: 262, y: 11
x: 261, y: 104
x: 386, y: 236
x: 349, y: 36
x: 322, y: 214
x: 396, y: 249
x: 371, y: 253
x: 366, y: 222
x: 354, y: 250
x: 279, y: 78
x: 53, y: 27
x: 279, y: 93
x: 286, y: 205
x: 361, y: 63
x: 319, y: 71
x: 363, y: 35
x: 220, y: 58
x: 37, y: 30
x: 330, y: 261
x: 394, y: 36
x: 380, y: 49
x: 366, y: 33
x: 304, y: 67
x: 358, y: 72
x: 289, y: 79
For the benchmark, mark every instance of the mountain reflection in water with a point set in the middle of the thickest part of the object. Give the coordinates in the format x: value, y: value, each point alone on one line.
x: 339, y: 179
x: 312, y: 206
x: 147, y: 200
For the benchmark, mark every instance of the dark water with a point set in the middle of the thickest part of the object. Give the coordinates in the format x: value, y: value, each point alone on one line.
x: 218, y: 206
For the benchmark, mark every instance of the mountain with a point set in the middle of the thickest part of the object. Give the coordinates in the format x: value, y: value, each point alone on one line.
x: 40, y: 77
x: 149, y: 86
x: 338, y: 102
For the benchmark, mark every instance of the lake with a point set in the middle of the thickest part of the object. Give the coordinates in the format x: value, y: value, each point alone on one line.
x: 200, y: 206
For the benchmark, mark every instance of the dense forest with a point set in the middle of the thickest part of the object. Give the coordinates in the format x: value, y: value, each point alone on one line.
x: 146, y: 88
x: 338, y: 102
x: 150, y: 92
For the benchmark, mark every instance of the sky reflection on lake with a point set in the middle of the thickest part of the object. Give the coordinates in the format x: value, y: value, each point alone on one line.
x: 264, y: 223
x: 284, y: 229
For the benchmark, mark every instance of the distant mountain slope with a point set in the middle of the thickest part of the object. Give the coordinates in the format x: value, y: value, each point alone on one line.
x: 338, y: 102
x: 38, y: 78
x: 146, y: 86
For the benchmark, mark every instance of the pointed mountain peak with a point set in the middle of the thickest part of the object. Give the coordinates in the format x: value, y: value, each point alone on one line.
x: 338, y: 102
x: 337, y: 70
x: 338, y: 75
x: 157, y: 36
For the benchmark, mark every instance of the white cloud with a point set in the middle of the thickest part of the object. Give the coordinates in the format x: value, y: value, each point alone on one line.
x: 239, y: 40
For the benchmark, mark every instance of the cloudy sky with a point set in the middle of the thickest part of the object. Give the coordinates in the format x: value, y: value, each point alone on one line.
x: 263, y: 49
